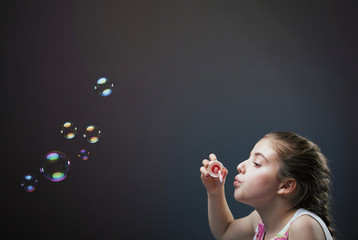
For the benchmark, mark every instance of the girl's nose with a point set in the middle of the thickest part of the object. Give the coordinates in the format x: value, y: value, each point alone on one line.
x: 241, y: 167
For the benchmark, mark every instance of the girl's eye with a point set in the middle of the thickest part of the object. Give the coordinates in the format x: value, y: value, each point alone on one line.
x: 256, y: 164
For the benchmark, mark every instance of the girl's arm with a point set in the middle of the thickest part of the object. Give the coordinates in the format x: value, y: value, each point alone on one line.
x: 219, y: 214
x: 221, y: 220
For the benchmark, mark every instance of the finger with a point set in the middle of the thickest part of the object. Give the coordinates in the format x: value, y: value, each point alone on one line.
x: 206, y: 163
x: 204, y: 172
x: 221, y: 175
x: 212, y: 157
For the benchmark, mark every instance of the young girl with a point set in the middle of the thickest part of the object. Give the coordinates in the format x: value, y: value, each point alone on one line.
x: 287, y: 181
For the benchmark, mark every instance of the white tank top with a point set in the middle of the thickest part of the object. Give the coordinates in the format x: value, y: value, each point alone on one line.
x: 259, y: 233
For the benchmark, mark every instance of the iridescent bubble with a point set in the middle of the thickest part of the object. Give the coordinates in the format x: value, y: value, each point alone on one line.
x: 55, y: 166
x: 29, y: 183
x: 83, y: 155
x: 103, y: 86
x: 69, y: 130
x: 92, y: 134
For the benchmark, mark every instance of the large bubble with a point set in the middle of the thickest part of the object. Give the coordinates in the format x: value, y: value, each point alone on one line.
x: 55, y: 166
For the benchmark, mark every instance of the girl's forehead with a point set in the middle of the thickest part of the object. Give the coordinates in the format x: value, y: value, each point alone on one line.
x: 265, y: 147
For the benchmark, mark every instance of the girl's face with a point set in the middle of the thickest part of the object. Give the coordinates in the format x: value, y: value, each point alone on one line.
x: 257, y: 182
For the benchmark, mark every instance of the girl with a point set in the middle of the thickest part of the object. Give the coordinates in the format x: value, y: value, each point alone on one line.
x: 287, y: 181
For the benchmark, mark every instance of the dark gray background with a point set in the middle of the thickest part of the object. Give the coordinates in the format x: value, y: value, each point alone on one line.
x: 191, y: 78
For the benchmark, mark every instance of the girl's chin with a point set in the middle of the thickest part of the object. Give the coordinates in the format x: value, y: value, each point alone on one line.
x: 238, y: 197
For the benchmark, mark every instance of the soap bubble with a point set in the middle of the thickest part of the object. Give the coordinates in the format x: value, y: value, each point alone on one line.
x: 83, y: 155
x: 92, y: 134
x: 69, y: 130
x: 29, y: 183
x: 103, y: 86
x: 55, y: 166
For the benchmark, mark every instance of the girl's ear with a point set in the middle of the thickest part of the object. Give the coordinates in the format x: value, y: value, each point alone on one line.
x: 287, y: 186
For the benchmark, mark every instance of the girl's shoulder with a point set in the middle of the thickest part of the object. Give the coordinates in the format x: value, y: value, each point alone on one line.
x: 306, y: 227
x: 254, y: 219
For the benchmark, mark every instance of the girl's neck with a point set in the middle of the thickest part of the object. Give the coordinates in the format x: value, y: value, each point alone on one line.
x: 275, y: 217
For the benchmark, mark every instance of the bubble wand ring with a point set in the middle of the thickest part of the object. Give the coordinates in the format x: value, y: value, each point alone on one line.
x: 216, y: 169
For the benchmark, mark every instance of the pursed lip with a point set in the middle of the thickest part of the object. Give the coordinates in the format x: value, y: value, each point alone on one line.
x: 236, y: 182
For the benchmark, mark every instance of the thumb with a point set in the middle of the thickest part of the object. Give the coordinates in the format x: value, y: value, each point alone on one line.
x: 223, y: 174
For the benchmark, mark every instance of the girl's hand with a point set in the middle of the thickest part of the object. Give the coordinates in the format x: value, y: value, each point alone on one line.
x: 212, y: 184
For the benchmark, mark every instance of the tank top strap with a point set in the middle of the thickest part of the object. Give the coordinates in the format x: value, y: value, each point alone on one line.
x: 303, y: 211
x: 260, y: 231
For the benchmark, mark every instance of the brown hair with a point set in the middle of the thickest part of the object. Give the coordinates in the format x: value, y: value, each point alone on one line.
x: 302, y: 160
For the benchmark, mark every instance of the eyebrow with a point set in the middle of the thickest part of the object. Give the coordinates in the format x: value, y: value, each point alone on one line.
x: 260, y: 154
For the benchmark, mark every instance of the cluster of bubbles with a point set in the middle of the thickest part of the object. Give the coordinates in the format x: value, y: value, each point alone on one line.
x: 91, y: 134
x: 56, y: 164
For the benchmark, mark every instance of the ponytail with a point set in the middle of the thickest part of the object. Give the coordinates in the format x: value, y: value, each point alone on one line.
x: 302, y: 159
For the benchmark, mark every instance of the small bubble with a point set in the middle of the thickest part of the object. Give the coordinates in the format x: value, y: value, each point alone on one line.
x: 92, y: 133
x: 29, y: 183
x: 69, y: 130
x: 103, y: 87
x: 83, y: 155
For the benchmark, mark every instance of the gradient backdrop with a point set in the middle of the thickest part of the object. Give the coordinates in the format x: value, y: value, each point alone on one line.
x: 191, y: 78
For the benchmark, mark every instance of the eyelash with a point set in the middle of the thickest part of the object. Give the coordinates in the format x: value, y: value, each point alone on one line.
x: 256, y: 164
